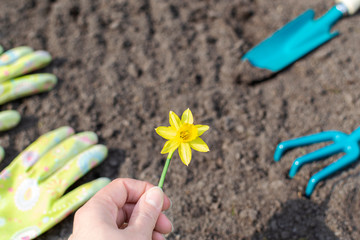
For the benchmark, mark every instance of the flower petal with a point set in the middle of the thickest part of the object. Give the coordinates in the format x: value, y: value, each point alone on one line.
x: 185, y: 153
x: 199, y: 145
x: 187, y: 117
x: 166, y: 132
x: 174, y: 120
x: 202, y: 129
x: 170, y: 146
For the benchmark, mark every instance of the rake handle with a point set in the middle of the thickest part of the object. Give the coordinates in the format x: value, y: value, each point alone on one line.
x: 351, y: 5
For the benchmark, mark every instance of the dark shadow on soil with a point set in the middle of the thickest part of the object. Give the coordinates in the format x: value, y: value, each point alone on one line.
x: 298, y: 219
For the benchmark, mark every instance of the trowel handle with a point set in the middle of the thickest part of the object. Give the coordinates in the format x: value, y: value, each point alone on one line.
x: 351, y: 5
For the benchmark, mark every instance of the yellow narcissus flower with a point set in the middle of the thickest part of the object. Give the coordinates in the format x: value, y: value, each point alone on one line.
x: 184, y: 135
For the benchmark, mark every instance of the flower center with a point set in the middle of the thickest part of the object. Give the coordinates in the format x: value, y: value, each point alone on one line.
x: 188, y: 132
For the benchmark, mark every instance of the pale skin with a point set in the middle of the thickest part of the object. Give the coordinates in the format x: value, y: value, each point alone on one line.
x: 124, y: 209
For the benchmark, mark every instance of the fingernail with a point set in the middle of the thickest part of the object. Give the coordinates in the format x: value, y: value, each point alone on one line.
x: 155, y: 197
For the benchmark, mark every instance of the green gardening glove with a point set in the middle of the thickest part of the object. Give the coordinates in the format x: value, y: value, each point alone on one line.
x: 32, y: 187
x: 14, y: 63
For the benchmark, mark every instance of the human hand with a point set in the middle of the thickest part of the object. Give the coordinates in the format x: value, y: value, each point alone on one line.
x: 32, y: 187
x: 124, y: 209
x: 14, y: 63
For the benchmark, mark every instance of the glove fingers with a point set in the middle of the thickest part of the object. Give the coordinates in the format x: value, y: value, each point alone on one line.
x: 73, y: 200
x: 61, y: 154
x: 25, y: 86
x: 9, y: 119
x: 75, y: 169
x: 26, y: 64
x: 14, y: 54
x: 37, y: 149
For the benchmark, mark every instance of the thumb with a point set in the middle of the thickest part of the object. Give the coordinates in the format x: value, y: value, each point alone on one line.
x: 146, y: 213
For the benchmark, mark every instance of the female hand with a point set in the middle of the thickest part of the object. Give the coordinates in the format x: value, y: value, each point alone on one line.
x: 124, y: 209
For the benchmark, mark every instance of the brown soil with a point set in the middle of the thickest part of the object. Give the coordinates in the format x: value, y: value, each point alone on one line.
x: 123, y: 65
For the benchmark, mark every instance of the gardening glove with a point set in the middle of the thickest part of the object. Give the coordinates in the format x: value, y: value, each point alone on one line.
x: 14, y: 63
x: 32, y: 187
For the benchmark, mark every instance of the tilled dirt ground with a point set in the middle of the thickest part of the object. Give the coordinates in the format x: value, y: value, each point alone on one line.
x: 123, y: 65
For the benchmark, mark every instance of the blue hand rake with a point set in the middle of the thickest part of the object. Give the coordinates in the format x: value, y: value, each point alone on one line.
x: 342, y: 142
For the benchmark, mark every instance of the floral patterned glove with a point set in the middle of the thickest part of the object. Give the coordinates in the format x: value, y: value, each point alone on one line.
x: 14, y: 63
x: 32, y: 187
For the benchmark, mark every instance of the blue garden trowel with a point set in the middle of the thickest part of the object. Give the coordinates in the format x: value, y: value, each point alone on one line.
x: 298, y: 37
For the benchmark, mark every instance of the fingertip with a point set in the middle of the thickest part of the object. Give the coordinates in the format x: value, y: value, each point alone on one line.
x: 50, y: 79
x: 102, y: 148
x: 155, y: 197
x: 9, y: 119
x: 157, y: 236
x: 101, y: 182
x: 88, y: 136
x: 2, y: 153
x: 167, y: 203
x: 44, y: 55
x: 62, y: 132
x: 163, y: 225
x: 97, y: 185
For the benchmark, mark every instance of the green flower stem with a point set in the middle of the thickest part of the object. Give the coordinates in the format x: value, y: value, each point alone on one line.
x: 167, y: 163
